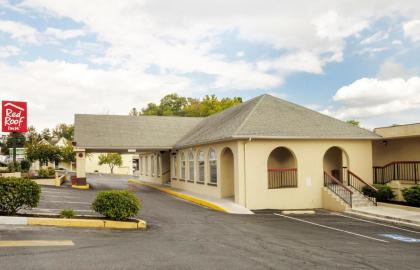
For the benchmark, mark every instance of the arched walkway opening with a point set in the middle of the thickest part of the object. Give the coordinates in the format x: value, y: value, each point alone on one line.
x: 282, y: 169
x: 336, y: 163
x: 227, y: 176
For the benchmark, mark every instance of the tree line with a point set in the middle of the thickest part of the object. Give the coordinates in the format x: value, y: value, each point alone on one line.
x: 175, y: 105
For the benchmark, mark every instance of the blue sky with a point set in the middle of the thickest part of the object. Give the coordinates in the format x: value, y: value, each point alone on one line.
x: 352, y: 60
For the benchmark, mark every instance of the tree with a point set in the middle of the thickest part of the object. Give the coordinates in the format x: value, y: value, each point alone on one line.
x: 67, y: 153
x: 64, y: 131
x: 134, y: 112
x: 173, y: 104
x: 353, y: 122
x: 46, y: 134
x: 32, y: 135
x: 112, y: 159
x: 42, y: 152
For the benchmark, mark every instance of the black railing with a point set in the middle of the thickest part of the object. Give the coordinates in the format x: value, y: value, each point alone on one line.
x: 399, y: 170
x: 282, y: 178
x: 361, y: 186
x: 338, y: 188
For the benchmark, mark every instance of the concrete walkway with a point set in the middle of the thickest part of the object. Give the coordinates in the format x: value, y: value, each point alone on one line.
x: 396, y: 215
x: 225, y: 205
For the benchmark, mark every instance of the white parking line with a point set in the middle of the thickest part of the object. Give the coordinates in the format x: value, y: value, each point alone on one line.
x: 377, y: 223
x: 68, y: 202
x: 332, y: 228
x: 58, y: 196
x: 58, y: 209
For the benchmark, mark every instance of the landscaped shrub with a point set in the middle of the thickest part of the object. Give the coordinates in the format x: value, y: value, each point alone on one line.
x: 67, y: 213
x: 366, y: 190
x: 46, y: 173
x: 14, y: 167
x: 116, y: 204
x: 25, y: 165
x: 16, y: 194
x: 384, y: 193
x: 412, y: 195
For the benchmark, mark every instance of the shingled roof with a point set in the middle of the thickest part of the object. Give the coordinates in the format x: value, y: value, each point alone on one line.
x: 107, y: 132
x: 263, y: 117
x: 268, y: 117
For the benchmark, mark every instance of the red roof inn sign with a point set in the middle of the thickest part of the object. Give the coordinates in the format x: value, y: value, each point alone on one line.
x: 14, y: 116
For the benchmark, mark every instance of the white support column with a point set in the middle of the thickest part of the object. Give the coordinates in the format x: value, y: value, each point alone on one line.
x: 80, y: 163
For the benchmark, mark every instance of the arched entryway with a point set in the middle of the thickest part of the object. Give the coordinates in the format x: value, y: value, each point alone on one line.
x: 227, y: 176
x: 282, y: 169
x: 336, y: 162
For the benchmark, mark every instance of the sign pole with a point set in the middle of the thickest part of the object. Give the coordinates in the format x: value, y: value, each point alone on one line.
x: 14, y: 147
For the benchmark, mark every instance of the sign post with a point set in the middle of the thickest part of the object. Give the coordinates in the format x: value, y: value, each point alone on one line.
x: 14, y: 120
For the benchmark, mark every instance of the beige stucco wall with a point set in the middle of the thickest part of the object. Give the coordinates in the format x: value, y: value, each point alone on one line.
x: 404, y: 149
x: 331, y: 202
x: 160, y: 174
x: 309, y: 155
x: 399, y: 131
x: 219, y: 190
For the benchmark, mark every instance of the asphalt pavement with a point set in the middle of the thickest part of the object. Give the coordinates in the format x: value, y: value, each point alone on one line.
x: 182, y: 235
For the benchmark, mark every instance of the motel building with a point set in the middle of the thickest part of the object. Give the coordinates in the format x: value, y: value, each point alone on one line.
x: 265, y: 153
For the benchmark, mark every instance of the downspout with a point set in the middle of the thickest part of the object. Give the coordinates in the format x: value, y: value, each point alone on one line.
x: 249, y: 140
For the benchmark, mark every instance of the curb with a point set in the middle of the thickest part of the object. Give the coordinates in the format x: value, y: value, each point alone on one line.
x: 185, y: 197
x: 85, y: 187
x: 393, y: 220
x: 69, y: 222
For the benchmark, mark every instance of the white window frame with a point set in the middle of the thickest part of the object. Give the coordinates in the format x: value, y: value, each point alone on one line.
x: 212, y: 161
x: 158, y: 165
x: 152, y: 165
x: 183, y: 166
x: 191, y: 169
x: 174, y: 163
x: 201, y: 170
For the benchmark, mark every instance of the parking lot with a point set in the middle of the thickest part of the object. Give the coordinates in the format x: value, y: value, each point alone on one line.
x: 186, y: 236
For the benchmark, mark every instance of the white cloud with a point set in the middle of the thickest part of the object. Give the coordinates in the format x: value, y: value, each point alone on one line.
x: 390, y: 70
x: 78, y: 88
x: 64, y: 34
x: 299, y: 62
x: 378, y: 36
x: 412, y: 30
x: 8, y: 51
x: 368, y: 97
x: 19, y: 31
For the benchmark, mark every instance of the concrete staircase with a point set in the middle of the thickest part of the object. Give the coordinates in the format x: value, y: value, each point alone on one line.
x: 359, y: 200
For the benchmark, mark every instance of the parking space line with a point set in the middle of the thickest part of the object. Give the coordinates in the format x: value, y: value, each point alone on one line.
x: 332, y: 228
x: 69, y: 202
x: 377, y: 223
x: 35, y: 243
x: 58, y: 209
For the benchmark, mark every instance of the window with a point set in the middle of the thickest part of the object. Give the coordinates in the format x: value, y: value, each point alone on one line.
x: 141, y: 165
x: 153, y: 165
x: 213, y: 166
x: 158, y: 165
x: 183, y: 165
x: 147, y: 165
x: 191, y: 166
x: 174, y: 166
x: 200, y: 160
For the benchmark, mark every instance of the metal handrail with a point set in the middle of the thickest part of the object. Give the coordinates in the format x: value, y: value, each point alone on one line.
x: 338, y: 188
x: 397, y: 170
x: 359, y: 184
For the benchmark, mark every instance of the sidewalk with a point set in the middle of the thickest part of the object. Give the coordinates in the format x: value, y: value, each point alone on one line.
x: 396, y: 215
x: 223, y: 205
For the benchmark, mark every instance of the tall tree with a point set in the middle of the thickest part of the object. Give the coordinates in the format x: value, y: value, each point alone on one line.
x: 176, y: 105
x: 134, y: 112
x: 64, y: 131
x: 112, y: 159
x: 353, y: 122
x: 46, y: 134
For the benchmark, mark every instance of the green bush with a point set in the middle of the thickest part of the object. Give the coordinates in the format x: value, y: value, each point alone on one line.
x: 384, y: 193
x: 412, y: 195
x: 366, y: 190
x: 18, y: 193
x: 67, y: 213
x: 14, y: 167
x: 25, y: 165
x: 116, y: 204
x: 46, y: 173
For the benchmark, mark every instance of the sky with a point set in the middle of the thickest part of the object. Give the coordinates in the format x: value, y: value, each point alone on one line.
x: 348, y: 59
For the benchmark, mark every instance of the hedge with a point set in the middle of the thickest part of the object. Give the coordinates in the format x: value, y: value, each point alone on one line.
x: 383, y: 194
x: 412, y: 195
x: 18, y: 193
x: 116, y: 204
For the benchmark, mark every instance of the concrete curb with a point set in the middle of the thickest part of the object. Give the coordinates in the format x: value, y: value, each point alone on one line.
x: 85, y: 187
x: 182, y: 196
x: 393, y: 220
x: 71, y: 222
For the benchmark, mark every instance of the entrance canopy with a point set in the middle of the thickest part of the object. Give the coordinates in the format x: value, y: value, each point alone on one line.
x: 123, y: 133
